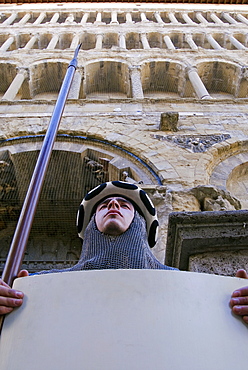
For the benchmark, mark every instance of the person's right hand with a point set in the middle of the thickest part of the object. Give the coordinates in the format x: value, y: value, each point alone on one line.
x: 10, y: 298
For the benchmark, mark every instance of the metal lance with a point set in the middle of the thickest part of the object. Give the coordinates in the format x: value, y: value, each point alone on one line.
x: 20, y: 239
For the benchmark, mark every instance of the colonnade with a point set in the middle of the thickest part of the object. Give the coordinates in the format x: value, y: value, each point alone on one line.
x: 135, y: 73
x: 123, y: 40
x: 116, y: 17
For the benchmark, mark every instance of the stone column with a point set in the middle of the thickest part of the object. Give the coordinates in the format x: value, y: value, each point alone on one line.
x: 213, y: 42
x: 229, y: 18
x: 84, y: 18
x: 54, y: 18
x: 172, y: 18
x: 129, y: 18
x: 169, y: 43
x: 7, y: 43
x: 31, y: 42
x: 143, y: 17
x: 24, y: 19
x: 158, y: 17
x: 98, y: 18
x: 52, y: 44
x: 75, y: 42
x: 200, y: 18
x: 136, y: 85
x: 99, y: 38
x: 197, y: 84
x: 122, y: 41
x: 191, y: 42
x: 114, y: 17
x: 236, y: 43
x: 242, y: 19
x: 69, y: 19
x: 144, y: 41
x: 187, y: 19
x: 40, y: 19
x: 15, y: 85
x: 10, y: 20
x: 75, y: 86
x: 216, y: 19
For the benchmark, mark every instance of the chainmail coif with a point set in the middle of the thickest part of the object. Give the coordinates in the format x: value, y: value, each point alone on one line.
x: 129, y: 250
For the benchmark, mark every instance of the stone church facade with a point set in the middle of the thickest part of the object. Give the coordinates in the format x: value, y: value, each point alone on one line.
x: 159, y: 99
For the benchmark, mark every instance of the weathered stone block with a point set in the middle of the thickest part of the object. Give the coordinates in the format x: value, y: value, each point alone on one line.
x: 169, y: 121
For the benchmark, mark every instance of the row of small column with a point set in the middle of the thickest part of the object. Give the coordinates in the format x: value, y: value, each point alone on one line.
x: 136, y: 84
x: 114, y: 18
x: 122, y: 42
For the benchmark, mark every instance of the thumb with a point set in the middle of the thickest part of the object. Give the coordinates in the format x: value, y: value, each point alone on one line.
x: 23, y: 273
x: 242, y: 274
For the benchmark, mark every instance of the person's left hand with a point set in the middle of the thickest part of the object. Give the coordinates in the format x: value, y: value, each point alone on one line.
x: 239, y: 299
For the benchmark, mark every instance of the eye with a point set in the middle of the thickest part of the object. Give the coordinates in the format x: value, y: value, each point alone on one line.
x: 102, y: 206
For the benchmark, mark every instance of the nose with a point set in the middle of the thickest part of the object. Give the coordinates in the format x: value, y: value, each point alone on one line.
x: 113, y: 203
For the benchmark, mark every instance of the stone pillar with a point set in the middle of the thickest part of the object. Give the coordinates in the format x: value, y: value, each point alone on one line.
x: 10, y: 20
x: 84, y: 18
x: 52, y: 44
x: 144, y: 41
x: 15, y: 85
x: 24, y: 19
x: 40, y: 19
x: 7, y: 43
x: 236, y: 43
x: 187, y: 19
x: 122, y: 41
x: 136, y: 85
x: 54, y: 18
x: 229, y: 18
x: 129, y: 18
x: 143, y: 17
x: 200, y: 18
x: 69, y: 19
x: 169, y: 44
x: 114, y: 17
x: 213, y: 42
x: 242, y: 19
x: 75, y: 42
x: 158, y: 17
x: 216, y: 19
x: 31, y: 42
x: 191, y: 42
x: 172, y: 18
x: 98, y: 17
x: 75, y: 86
x: 99, y: 38
x: 197, y: 84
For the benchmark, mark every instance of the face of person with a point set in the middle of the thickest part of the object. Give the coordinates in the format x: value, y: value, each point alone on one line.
x: 114, y: 215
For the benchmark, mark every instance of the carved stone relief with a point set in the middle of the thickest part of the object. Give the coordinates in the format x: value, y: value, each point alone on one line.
x: 193, y: 143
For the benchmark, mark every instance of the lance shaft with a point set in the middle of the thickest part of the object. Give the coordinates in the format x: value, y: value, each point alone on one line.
x: 20, y: 239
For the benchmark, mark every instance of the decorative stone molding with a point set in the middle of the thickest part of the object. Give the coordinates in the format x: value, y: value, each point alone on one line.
x: 194, y: 143
x: 193, y: 234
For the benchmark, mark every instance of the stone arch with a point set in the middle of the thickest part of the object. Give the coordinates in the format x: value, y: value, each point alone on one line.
x: 133, y: 41
x: 77, y: 165
x: 7, y: 74
x: 220, y: 77
x: 155, y: 40
x: 107, y: 79
x: 88, y: 41
x: 46, y: 77
x: 225, y: 165
x: 162, y: 78
x: 22, y: 39
x: 110, y: 40
x: 65, y: 40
